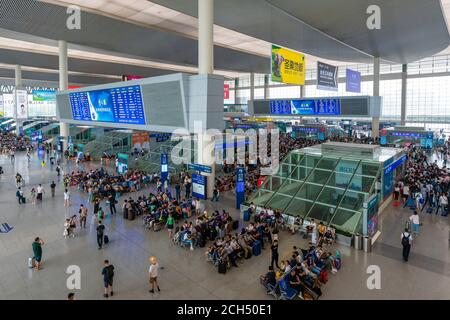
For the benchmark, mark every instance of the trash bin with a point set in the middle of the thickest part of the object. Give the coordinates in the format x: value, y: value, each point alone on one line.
x: 358, y: 242
x: 367, y: 244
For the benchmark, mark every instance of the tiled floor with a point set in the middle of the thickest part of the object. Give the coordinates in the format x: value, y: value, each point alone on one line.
x: 186, y: 274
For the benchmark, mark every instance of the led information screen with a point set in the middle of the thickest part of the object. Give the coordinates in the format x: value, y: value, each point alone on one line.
x: 319, y: 107
x: 119, y: 105
x: 199, y: 186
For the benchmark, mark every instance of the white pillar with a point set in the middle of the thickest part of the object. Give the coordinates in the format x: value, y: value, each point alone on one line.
x: 403, y: 96
x: 205, y: 142
x: 18, y: 83
x: 205, y: 36
x: 376, y: 93
x: 63, y: 85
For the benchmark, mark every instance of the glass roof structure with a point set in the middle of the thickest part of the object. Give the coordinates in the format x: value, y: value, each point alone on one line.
x: 328, y: 185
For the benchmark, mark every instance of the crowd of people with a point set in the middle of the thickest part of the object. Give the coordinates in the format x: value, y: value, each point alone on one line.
x: 11, y: 143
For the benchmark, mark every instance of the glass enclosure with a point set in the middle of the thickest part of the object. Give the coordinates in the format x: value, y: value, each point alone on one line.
x: 329, y: 187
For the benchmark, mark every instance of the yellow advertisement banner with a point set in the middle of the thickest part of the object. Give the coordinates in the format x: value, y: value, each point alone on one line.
x: 287, y: 66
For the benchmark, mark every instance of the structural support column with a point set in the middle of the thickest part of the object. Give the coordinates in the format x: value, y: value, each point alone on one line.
x: 404, y: 89
x: 63, y: 85
x: 205, y: 36
x: 252, y: 86
x: 18, y: 83
x: 266, y: 87
x: 205, y: 67
x: 376, y: 93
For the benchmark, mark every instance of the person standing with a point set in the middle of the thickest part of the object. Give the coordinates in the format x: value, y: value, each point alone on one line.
x: 58, y: 170
x: 40, y: 191
x: 83, y: 216
x: 37, y: 252
x: 66, y: 198
x: 274, y: 249
x: 414, y: 218
x: 443, y: 203
x: 33, y: 196
x: 112, y: 203
x: 108, y: 277
x: 100, y: 234
x: 53, y: 188
x: 406, y: 244
x: 153, y: 273
x: 19, y: 195
x: 215, y: 196
x: 96, y: 206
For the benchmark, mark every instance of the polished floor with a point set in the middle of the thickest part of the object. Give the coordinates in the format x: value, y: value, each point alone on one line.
x: 185, y: 273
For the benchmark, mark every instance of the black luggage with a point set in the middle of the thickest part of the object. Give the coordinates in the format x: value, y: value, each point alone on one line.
x: 106, y: 239
x: 222, y: 267
x: 131, y: 215
x: 212, y: 234
x: 24, y: 200
x: 235, y: 224
x: 201, y: 242
x: 125, y: 214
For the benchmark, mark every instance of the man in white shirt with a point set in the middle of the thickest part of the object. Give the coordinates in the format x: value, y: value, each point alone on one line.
x: 443, y: 203
x: 39, y: 191
x: 153, y: 273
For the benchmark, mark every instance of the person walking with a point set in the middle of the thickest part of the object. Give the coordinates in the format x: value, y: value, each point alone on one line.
x: 406, y: 244
x: 215, y: 196
x: 19, y: 195
x: 153, y: 273
x: 170, y: 224
x: 66, y: 198
x: 40, y: 191
x: 83, y: 216
x: 112, y: 203
x: 274, y: 249
x: 108, y: 278
x: 37, y: 252
x: 414, y: 218
x: 100, y: 234
x: 96, y: 206
x: 33, y: 195
x: 443, y: 203
x: 53, y: 188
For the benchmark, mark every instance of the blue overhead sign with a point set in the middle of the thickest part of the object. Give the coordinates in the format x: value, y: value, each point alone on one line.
x: 164, y: 167
x: 395, y: 165
x: 199, y: 186
x: 240, y: 187
x: 199, y: 167
x: 353, y: 81
x: 307, y: 107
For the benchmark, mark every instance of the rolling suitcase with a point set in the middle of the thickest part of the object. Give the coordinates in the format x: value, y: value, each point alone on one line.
x: 106, y: 239
x: 125, y: 214
x: 131, y: 215
x: 246, y: 215
x: 430, y: 210
x: 235, y: 224
x: 222, y: 268
x: 256, y: 248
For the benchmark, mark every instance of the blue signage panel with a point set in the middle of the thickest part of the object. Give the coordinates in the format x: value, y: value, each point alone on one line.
x: 199, y: 167
x: 240, y: 187
x: 407, y: 134
x: 161, y: 137
x: 119, y: 105
x: 383, y: 140
x: 395, y: 165
x: 353, y: 81
x: 198, y: 186
x: 305, y: 107
x: 164, y: 166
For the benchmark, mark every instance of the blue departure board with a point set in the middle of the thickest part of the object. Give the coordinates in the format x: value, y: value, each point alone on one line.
x: 119, y: 105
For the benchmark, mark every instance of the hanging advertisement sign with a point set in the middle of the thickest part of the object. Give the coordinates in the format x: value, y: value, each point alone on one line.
x: 327, y: 76
x: 287, y: 66
x: 122, y: 163
x: 164, y: 167
x: 8, y: 105
x: 226, y: 91
x: 126, y: 77
x: 352, y: 81
x: 21, y: 103
x: 140, y: 140
x: 370, y: 216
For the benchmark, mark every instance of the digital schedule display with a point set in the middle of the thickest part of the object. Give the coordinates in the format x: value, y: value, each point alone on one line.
x: 118, y: 105
x: 317, y: 107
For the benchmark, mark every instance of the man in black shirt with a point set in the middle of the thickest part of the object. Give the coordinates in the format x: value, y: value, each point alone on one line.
x: 112, y: 203
x: 274, y: 249
x: 100, y: 233
x: 108, y: 276
x: 52, y: 188
x: 96, y: 206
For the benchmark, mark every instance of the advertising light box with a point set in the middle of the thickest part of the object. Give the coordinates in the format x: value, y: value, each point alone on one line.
x: 118, y: 105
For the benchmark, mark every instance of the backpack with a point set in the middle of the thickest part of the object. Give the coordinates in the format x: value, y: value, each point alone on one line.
x: 323, y: 277
x: 337, y: 263
x: 405, y: 240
